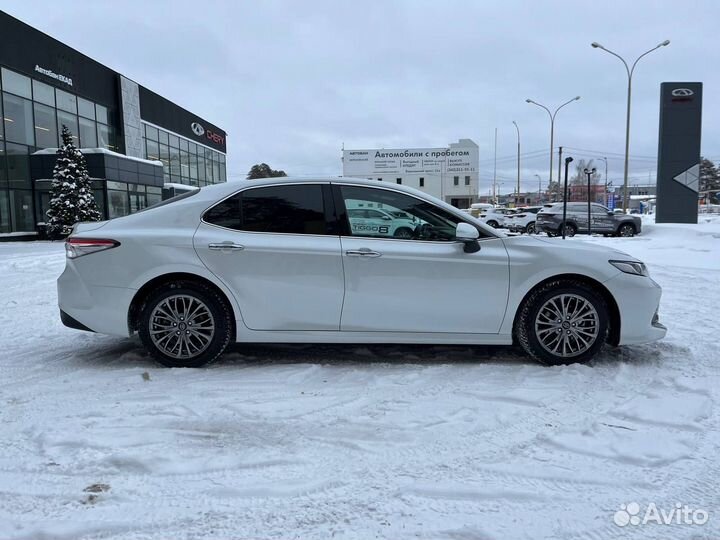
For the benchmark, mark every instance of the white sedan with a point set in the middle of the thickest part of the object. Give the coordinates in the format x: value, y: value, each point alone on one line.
x: 277, y: 260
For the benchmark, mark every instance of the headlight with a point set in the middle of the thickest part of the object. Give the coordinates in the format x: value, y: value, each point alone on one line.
x: 631, y: 267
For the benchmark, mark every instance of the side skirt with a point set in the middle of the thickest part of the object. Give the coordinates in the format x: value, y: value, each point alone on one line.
x: 320, y: 336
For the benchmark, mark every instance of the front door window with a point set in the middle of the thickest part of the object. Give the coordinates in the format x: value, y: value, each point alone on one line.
x: 381, y: 213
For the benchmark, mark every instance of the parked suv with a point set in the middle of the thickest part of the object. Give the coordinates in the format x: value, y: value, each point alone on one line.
x: 381, y: 222
x: 523, y: 220
x: 495, y: 217
x: 602, y: 220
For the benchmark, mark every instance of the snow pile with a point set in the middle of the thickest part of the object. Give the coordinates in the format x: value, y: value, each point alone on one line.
x: 358, y: 442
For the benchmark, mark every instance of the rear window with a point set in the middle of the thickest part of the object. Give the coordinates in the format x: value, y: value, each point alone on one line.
x: 171, y: 200
x: 274, y: 209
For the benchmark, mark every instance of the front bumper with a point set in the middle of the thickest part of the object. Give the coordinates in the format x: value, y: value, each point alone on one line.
x: 638, y: 300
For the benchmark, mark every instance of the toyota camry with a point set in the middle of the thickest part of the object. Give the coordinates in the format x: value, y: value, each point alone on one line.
x: 278, y: 260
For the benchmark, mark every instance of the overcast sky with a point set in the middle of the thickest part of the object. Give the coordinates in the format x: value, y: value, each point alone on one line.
x: 291, y: 81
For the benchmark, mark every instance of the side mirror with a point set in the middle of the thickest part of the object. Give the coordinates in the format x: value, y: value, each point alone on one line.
x: 468, y: 235
x: 611, y: 213
x: 387, y: 218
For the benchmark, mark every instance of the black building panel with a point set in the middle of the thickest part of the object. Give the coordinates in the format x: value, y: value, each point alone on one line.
x: 164, y: 113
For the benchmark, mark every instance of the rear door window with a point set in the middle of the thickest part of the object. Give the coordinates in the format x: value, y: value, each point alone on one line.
x: 294, y: 209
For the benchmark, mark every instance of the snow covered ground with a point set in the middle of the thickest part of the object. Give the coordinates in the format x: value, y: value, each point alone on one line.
x: 312, y: 442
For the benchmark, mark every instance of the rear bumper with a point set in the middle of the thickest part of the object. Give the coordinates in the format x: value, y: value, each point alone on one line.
x: 68, y: 321
x: 92, y: 308
x: 638, y: 300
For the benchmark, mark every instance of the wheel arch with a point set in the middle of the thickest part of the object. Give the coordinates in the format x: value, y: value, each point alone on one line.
x: 146, y: 290
x: 613, y: 309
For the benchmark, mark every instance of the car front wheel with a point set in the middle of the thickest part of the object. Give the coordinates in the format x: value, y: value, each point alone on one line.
x: 562, y: 322
x: 494, y: 224
x: 185, y: 324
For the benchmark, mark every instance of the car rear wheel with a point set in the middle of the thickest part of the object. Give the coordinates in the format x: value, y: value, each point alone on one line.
x: 530, y: 229
x: 626, y: 229
x: 185, y: 325
x: 403, y: 232
x: 570, y: 229
x: 562, y: 322
x: 494, y: 224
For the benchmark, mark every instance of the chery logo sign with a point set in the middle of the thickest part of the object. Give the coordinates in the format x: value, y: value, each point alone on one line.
x: 682, y: 92
x: 210, y: 135
x: 215, y: 137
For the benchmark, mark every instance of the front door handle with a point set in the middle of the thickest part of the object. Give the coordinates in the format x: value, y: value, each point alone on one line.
x: 222, y: 246
x: 362, y: 252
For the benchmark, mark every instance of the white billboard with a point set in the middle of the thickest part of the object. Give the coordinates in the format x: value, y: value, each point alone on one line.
x: 403, y: 161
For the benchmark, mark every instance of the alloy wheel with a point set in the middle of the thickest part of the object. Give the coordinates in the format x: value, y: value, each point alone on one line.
x: 567, y: 325
x: 181, y: 326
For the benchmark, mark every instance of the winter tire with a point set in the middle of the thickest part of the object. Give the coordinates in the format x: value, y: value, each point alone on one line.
x: 185, y: 324
x: 570, y: 229
x: 627, y: 230
x: 530, y: 229
x: 403, y: 232
x: 562, y: 322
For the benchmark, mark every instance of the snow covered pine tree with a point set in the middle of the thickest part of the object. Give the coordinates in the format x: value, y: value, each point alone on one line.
x: 71, y: 197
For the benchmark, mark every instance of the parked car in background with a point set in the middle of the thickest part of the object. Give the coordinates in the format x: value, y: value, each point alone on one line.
x: 278, y: 260
x: 478, y: 208
x: 495, y: 217
x: 379, y: 221
x: 523, y: 220
x: 549, y: 220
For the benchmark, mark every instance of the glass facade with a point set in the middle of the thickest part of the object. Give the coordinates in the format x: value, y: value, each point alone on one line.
x: 32, y: 115
x: 124, y: 198
x: 184, y: 161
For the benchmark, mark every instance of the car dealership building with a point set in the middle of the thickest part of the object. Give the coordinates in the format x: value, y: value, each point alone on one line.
x: 133, y: 139
x: 449, y: 173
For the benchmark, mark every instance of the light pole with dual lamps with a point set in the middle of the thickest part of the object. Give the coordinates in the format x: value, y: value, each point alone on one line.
x: 630, y: 70
x: 606, y: 181
x: 552, y: 126
x: 517, y: 196
x: 589, y: 173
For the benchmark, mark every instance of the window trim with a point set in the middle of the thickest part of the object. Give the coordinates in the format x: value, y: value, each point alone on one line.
x: 344, y: 224
x: 331, y: 219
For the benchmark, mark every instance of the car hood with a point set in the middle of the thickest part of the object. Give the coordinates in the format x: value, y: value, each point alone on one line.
x: 558, y: 245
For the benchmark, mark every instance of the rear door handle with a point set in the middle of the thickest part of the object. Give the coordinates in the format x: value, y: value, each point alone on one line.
x: 362, y: 252
x: 222, y: 246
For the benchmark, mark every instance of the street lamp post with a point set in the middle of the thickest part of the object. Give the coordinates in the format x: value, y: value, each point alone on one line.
x: 552, y: 126
x: 539, y: 189
x: 630, y: 71
x: 606, y: 181
x: 589, y: 173
x: 568, y: 161
x: 517, y: 196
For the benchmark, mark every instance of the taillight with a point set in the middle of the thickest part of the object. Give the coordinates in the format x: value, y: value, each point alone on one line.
x: 77, y: 247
